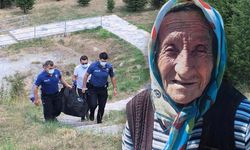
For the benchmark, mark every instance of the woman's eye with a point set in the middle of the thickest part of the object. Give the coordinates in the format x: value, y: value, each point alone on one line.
x: 201, y: 49
x: 171, y: 51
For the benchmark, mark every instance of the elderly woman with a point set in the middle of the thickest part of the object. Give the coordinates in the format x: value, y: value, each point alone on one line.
x: 188, y: 105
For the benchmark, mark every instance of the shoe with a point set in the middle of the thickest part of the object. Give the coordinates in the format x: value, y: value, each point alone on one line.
x: 87, y: 116
x: 99, y: 118
x: 99, y: 121
x: 91, y: 116
x: 83, y: 119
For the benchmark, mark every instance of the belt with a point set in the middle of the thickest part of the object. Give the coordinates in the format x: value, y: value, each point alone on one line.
x: 53, y: 94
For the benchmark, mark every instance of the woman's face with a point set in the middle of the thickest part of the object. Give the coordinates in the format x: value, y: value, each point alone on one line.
x: 185, y: 60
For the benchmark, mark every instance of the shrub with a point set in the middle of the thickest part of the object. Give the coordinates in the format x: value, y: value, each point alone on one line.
x: 135, y: 5
x: 25, y: 5
x: 6, y: 3
x: 83, y: 2
x: 16, y: 85
x: 110, y: 5
x: 157, y: 3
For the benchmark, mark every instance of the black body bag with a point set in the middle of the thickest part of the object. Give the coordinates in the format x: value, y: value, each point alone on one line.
x: 73, y: 104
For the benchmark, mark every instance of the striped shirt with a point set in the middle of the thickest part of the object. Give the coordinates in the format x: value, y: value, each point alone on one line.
x: 160, y: 135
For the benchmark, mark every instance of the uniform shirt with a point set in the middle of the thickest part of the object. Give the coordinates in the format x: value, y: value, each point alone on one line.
x: 49, y: 83
x: 80, y: 72
x: 160, y: 136
x: 99, y: 74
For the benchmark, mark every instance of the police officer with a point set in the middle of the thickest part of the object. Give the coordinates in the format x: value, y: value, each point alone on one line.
x: 79, y: 73
x: 98, y: 84
x: 48, y: 80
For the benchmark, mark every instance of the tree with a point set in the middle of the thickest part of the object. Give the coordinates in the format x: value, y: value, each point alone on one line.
x: 110, y: 5
x: 157, y: 3
x: 83, y: 2
x: 6, y: 3
x: 25, y: 5
x: 235, y: 14
x: 135, y: 5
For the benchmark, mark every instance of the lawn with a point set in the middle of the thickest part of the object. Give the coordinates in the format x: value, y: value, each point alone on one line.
x: 48, y: 11
x: 21, y: 127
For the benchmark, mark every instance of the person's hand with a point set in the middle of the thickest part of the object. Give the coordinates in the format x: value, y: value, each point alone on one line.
x: 37, y: 102
x: 115, y: 91
x: 69, y: 86
x: 84, y: 90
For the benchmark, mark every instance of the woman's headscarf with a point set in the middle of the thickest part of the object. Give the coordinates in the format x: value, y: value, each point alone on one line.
x: 185, y: 117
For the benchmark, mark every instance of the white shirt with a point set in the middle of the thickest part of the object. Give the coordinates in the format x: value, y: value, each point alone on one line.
x: 79, y: 72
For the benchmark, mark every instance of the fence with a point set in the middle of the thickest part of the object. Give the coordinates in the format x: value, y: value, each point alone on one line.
x: 25, y: 33
x: 13, y: 23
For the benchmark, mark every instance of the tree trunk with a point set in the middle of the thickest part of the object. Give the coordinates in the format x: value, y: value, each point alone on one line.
x: 1, y: 4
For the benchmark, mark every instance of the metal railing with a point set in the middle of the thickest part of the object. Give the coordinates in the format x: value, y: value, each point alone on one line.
x: 13, y: 23
x: 13, y: 35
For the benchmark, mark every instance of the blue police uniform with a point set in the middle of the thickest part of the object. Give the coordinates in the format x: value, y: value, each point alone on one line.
x: 48, y: 83
x: 99, y: 74
x: 52, y: 103
x: 98, y: 84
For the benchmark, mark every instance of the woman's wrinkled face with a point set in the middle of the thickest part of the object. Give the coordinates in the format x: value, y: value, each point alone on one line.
x: 185, y: 60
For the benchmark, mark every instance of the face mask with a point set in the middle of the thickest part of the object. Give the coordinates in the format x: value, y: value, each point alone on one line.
x: 51, y: 71
x: 84, y: 66
x: 103, y: 63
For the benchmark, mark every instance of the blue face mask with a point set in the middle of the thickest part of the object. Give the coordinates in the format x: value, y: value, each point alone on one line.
x: 51, y: 71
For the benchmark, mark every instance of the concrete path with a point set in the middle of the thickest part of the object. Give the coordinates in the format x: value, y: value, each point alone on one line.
x: 126, y: 31
x: 56, y: 28
x: 7, y: 40
x: 114, y: 24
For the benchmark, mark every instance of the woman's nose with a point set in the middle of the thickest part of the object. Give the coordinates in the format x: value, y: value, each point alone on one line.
x: 185, y: 63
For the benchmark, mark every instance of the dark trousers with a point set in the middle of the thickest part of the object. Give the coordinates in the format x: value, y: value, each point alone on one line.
x: 52, y: 106
x: 97, y: 96
x: 84, y: 96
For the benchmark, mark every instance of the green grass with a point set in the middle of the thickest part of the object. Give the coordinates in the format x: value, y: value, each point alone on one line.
x: 21, y: 128
x: 15, y: 48
x: 55, y: 13
x: 7, y: 144
x: 115, y: 117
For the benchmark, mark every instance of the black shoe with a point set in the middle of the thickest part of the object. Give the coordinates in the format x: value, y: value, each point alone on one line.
x: 91, y: 116
x: 99, y: 121
x: 87, y: 116
x: 82, y: 119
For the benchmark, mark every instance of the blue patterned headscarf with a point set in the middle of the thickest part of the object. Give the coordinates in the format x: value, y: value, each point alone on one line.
x: 187, y: 116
